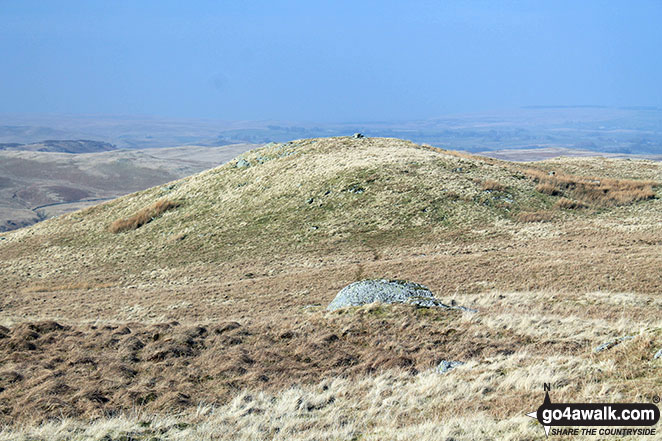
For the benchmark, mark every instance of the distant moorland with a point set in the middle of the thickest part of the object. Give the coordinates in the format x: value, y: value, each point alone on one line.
x: 594, y: 128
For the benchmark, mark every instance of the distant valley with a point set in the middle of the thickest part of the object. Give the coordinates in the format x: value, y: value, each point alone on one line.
x: 37, y: 184
x: 60, y: 146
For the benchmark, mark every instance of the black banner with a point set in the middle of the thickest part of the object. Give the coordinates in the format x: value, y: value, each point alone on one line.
x: 597, y: 414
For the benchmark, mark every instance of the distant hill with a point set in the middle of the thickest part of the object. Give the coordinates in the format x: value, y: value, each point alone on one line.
x: 543, y: 153
x: 595, y: 128
x: 61, y: 146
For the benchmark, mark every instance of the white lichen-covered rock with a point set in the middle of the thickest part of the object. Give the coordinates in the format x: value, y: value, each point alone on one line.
x: 611, y: 343
x: 446, y: 365
x: 387, y: 291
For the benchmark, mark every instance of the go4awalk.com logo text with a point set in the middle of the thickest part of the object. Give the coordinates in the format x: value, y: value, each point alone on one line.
x: 600, y: 419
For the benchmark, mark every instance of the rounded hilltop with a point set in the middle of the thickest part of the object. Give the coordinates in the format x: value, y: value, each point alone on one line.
x: 285, y: 198
x: 295, y: 203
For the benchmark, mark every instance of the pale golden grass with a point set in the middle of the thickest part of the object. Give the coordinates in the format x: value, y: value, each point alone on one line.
x: 143, y: 216
x: 589, y: 190
x: 390, y: 406
x: 413, y: 196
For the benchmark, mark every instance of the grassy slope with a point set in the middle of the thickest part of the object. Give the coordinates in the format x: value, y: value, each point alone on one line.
x: 308, y: 196
x: 267, y: 247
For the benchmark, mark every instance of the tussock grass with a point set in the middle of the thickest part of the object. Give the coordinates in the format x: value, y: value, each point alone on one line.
x: 143, y: 216
x: 549, y: 189
x: 595, y: 191
x: 569, y: 204
x: 391, y: 406
x: 492, y: 185
x: 485, y: 400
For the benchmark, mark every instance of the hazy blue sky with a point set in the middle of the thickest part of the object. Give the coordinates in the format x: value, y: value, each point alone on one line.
x: 325, y: 61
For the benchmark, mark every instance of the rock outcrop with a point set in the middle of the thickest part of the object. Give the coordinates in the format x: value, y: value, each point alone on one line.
x: 387, y: 291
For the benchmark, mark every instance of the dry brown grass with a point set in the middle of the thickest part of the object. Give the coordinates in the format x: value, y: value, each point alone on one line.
x: 112, y: 368
x: 492, y: 185
x: 292, y: 380
x: 596, y: 191
x: 569, y: 204
x: 548, y: 188
x: 143, y: 216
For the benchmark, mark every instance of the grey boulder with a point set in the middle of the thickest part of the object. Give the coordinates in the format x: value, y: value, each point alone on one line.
x: 611, y: 343
x: 446, y: 365
x: 387, y: 291
x: 242, y: 163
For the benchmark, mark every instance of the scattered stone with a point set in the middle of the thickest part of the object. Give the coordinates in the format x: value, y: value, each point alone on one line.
x: 230, y: 326
x: 611, y: 343
x: 310, y: 200
x: 242, y: 163
x: 658, y: 354
x: 286, y: 335
x: 356, y: 189
x: 358, y: 135
x: 446, y: 365
x: 387, y: 291
x: 177, y: 237
x: 47, y: 326
x: 330, y: 338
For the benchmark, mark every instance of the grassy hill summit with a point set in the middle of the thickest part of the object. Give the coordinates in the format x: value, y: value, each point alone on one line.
x: 323, y: 198
x: 205, y: 298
